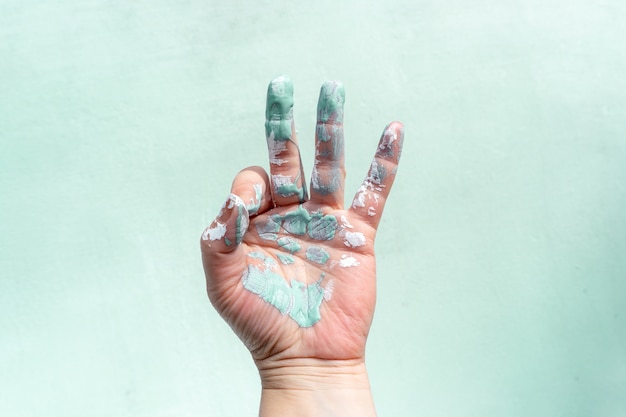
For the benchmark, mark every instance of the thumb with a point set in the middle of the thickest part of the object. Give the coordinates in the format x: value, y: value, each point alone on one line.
x: 227, y: 231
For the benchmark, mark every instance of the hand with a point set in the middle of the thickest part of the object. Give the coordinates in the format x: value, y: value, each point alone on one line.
x: 293, y: 275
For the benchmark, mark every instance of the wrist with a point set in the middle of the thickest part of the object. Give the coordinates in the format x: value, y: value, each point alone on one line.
x: 315, y: 387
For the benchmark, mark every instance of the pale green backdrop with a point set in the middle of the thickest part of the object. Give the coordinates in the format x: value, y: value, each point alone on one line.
x: 502, y: 253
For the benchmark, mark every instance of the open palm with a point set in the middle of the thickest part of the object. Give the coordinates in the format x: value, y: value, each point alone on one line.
x: 294, y: 275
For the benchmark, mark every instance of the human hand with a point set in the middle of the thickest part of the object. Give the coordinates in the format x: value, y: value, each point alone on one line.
x: 293, y: 275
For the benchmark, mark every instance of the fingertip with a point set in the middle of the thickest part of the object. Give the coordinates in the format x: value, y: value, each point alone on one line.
x: 331, y: 102
x: 395, y: 131
x: 227, y: 231
x: 391, y: 142
x: 280, y: 80
x: 279, y: 89
x: 398, y: 126
x: 252, y: 185
x: 279, y: 109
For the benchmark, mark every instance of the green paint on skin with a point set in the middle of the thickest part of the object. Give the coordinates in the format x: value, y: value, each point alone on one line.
x: 295, y: 222
x: 254, y: 207
x: 327, y: 182
x: 300, y: 301
x: 322, y: 227
x: 330, y: 103
x: 317, y: 254
x: 329, y: 133
x: 386, y: 147
x: 298, y: 222
x: 267, y: 230
x: 268, y: 236
x: 242, y: 223
x: 378, y: 173
x: 269, y: 262
x: 326, y: 131
x: 285, y: 259
x: 289, y: 244
x: 279, y: 109
x: 286, y: 188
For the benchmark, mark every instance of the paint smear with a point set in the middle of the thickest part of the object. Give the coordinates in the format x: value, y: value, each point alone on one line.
x: 298, y: 222
x: 300, y: 301
x: 348, y: 261
x: 254, y: 206
x: 317, y: 255
x: 285, y: 259
x: 345, y: 223
x: 322, y: 227
x: 286, y: 187
x: 354, y: 239
x: 289, y: 244
x: 275, y: 148
x: 243, y: 220
x: 371, y: 184
x: 214, y: 233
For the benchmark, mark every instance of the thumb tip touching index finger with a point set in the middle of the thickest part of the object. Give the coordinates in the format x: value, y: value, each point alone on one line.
x: 226, y: 232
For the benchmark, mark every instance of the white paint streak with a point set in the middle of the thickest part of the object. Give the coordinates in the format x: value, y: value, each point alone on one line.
x: 214, y: 233
x: 354, y: 239
x: 359, y: 201
x: 278, y: 85
x: 315, y: 177
x: 280, y: 179
x: 235, y: 200
x: 371, y: 183
x: 348, y: 261
x: 276, y: 147
x: 371, y: 211
x: 328, y: 290
x: 346, y: 223
x: 389, y: 137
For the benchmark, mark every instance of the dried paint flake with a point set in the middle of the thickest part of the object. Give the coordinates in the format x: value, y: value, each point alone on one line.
x: 371, y: 185
x: 214, y: 233
x: 328, y: 290
x: 348, y: 261
x: 354, y: 239
x: 345, y: 223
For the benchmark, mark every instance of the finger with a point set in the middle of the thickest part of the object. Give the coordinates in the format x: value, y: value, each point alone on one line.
x: 222, y: 252
x: 226, y: 232
x: 328, y: 177
x: 287, y: 177
x: 252, y: 186
x: 369, y: 201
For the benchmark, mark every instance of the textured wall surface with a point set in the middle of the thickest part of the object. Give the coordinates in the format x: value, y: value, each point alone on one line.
x: 502, y: 267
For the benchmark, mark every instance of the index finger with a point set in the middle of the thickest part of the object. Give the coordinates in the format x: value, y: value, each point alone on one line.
x: 369, y: 201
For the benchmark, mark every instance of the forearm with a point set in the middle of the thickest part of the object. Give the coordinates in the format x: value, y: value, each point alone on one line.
x: 316, y: 388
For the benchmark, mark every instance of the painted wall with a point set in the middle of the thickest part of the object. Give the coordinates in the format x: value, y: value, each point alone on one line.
x: 502, y: 267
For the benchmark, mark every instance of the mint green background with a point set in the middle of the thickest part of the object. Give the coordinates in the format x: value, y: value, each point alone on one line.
x: 502, y: 253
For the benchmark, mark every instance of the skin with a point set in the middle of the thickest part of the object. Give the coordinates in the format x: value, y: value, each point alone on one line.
x: 297, y: 363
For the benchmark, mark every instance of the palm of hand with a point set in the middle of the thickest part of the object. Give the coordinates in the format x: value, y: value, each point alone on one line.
x: 295, y: 278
